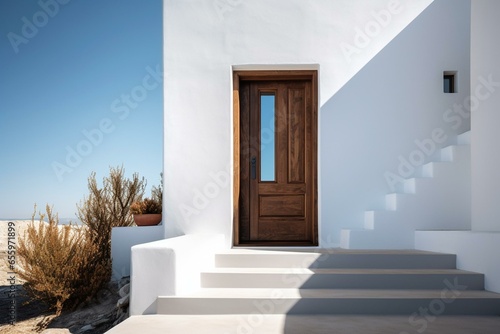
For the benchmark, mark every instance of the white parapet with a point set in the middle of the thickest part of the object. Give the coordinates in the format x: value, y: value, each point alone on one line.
x: 169, y: 267
x: 122, y: 240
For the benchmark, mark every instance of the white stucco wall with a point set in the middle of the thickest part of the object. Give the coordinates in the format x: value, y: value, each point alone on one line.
x: 169, y: 267
x: 370, y: 117
x: 374, y: 127
x: 122, y: 240
x: 485, y: 54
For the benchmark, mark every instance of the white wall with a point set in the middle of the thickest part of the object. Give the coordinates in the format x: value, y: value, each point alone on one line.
x: 372, y: 124
x: 367, y: 120
x: 122, y: 240
x: 169, y: 267
x: 485, y: 55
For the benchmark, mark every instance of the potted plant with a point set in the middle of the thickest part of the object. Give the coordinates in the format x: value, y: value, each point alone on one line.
x: 147, y: 212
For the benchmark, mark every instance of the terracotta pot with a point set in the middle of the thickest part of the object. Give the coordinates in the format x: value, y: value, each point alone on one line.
x: 149, y: 219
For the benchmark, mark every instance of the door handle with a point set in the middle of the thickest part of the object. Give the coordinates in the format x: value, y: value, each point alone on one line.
x: 253, y: 168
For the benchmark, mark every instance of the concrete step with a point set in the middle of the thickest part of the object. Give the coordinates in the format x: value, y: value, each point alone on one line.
x: 334, y: 258
x: 414, y: 184
x: 437, y: 196
x: 456, y: 152
x: 261, y: 323
x: 392, y: 201
x: 464, y: 138
x: 305, y: 278
x: 447, y: 301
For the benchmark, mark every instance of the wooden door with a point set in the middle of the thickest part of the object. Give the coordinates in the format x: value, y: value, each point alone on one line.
x: 277, y: 202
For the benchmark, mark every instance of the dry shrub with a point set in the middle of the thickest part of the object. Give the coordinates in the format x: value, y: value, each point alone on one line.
x: 153, y: 205
x: 107, y: 207
x: 146, y: 206
x: 65, y: 266
x: 59, y: 263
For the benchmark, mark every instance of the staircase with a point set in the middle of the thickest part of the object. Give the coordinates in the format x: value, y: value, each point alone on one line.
x: 436, y: 197
x: 337, y: 281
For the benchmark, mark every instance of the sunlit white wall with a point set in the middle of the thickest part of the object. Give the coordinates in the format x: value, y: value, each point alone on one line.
x: 370, y: 116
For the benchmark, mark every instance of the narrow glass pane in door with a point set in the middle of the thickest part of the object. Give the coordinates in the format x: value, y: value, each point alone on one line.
x: 267, y: 138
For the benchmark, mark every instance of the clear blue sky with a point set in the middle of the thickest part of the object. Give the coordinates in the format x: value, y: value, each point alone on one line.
x: 79, y: 92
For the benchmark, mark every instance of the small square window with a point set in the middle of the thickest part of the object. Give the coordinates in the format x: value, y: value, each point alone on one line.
x: 449, y: 82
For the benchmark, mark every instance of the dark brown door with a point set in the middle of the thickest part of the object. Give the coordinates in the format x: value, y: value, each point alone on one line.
x: 277, y: 202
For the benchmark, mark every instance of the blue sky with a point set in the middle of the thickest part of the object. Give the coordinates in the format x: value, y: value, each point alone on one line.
x: 80, y: 90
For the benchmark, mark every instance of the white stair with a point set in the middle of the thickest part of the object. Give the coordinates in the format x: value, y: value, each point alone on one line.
x: 437, y: 197
x: 334, y: 282
x: 334, y: 278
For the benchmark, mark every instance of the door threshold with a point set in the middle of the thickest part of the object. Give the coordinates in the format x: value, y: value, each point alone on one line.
x: 275, y: 245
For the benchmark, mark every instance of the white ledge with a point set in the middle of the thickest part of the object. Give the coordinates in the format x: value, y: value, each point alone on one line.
x: 169, y: 267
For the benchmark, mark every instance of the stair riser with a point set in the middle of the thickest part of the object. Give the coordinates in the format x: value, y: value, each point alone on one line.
x: 349, y: 261
x: 340, y: 281
x: 410, y: 307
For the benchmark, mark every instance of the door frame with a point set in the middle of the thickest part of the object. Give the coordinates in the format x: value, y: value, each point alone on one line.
x: 273, y: 75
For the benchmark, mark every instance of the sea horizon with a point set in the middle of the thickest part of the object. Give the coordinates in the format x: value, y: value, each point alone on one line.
x: 62, y: 221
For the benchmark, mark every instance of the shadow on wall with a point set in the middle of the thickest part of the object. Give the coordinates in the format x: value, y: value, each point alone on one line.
x: 384, y: 113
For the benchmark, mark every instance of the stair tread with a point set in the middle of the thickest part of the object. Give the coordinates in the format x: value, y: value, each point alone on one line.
x: 339, y: 271
x: 332, y: 251
x: 273, y: 293
x: 334, y: 258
